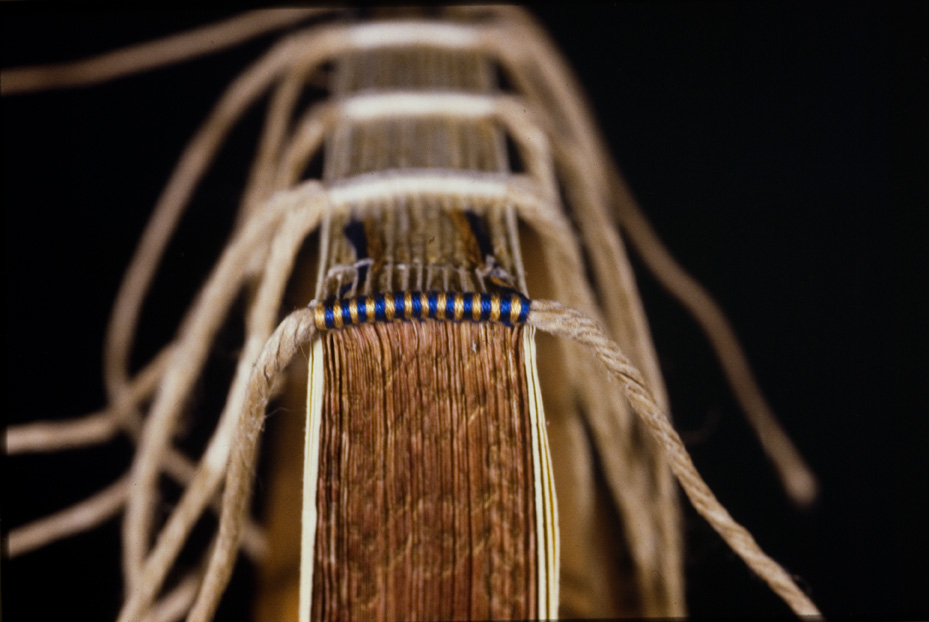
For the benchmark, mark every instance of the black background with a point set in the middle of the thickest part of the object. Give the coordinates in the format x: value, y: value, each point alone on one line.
x: 779, y: 150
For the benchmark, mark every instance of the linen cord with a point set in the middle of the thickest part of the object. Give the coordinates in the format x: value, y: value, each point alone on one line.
x: 102, y: 430
x: 576, y: 146
x: 552, y: 317
x: 557, y: 319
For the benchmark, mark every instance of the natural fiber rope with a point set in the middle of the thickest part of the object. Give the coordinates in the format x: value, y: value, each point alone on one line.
x: 169, y: 208
x: 581, y: 147
x: 611, y: 429
x: 551, y: 317
x: 291, y: 52
x: 80, y: 517
x: 186, y: 362
x: 292, y: 334
x: 95, y: 429
x: 144, y: 57
x: 796, y: 477
x: 175, y: 605
x: 101, y: 426
x: 277, y: 123
x: 291, y: 232
x: 246, y: 89
x: 557, y: 319
x: 304, y: 51
x: 542, y: 76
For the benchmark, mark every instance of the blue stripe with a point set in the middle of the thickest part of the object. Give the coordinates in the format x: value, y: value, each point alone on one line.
x: 506, y: 305
x: 477, y: 228
x: 524, y: 312
x: 485, y: 306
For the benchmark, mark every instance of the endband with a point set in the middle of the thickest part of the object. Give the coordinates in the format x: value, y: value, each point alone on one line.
x: 507, y: 308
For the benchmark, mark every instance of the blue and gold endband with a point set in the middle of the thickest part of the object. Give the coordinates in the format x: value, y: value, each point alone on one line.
x: 508, y: 308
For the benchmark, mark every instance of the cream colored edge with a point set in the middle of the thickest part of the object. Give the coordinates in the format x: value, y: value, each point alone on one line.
x: 546, y: 510
x: 314, y: 408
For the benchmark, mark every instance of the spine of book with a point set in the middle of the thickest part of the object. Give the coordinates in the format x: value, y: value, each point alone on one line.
x: 427, y: 487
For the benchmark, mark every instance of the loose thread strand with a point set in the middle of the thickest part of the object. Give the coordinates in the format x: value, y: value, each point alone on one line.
x: 796, y: 477
x: 583, y: 146
x: 186, y: 362
x: 557, y: 319
x: 136, y: 59
x: 292, y: 334
x: 83, y: 516
x: 286, y: 242
x: 95, y: 428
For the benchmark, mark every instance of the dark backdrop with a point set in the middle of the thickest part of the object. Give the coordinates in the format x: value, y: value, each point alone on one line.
x: 777, y: 148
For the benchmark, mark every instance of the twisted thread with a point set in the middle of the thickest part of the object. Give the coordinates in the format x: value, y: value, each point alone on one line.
x: 557, y: 319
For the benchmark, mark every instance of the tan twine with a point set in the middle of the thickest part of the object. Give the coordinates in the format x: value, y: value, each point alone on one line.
x: 555, y: 134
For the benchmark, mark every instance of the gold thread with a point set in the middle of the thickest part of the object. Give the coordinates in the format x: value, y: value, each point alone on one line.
x: 389, y: 308
x: 516, y: 309
x: 440, y: 306
x: 424, y: 303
